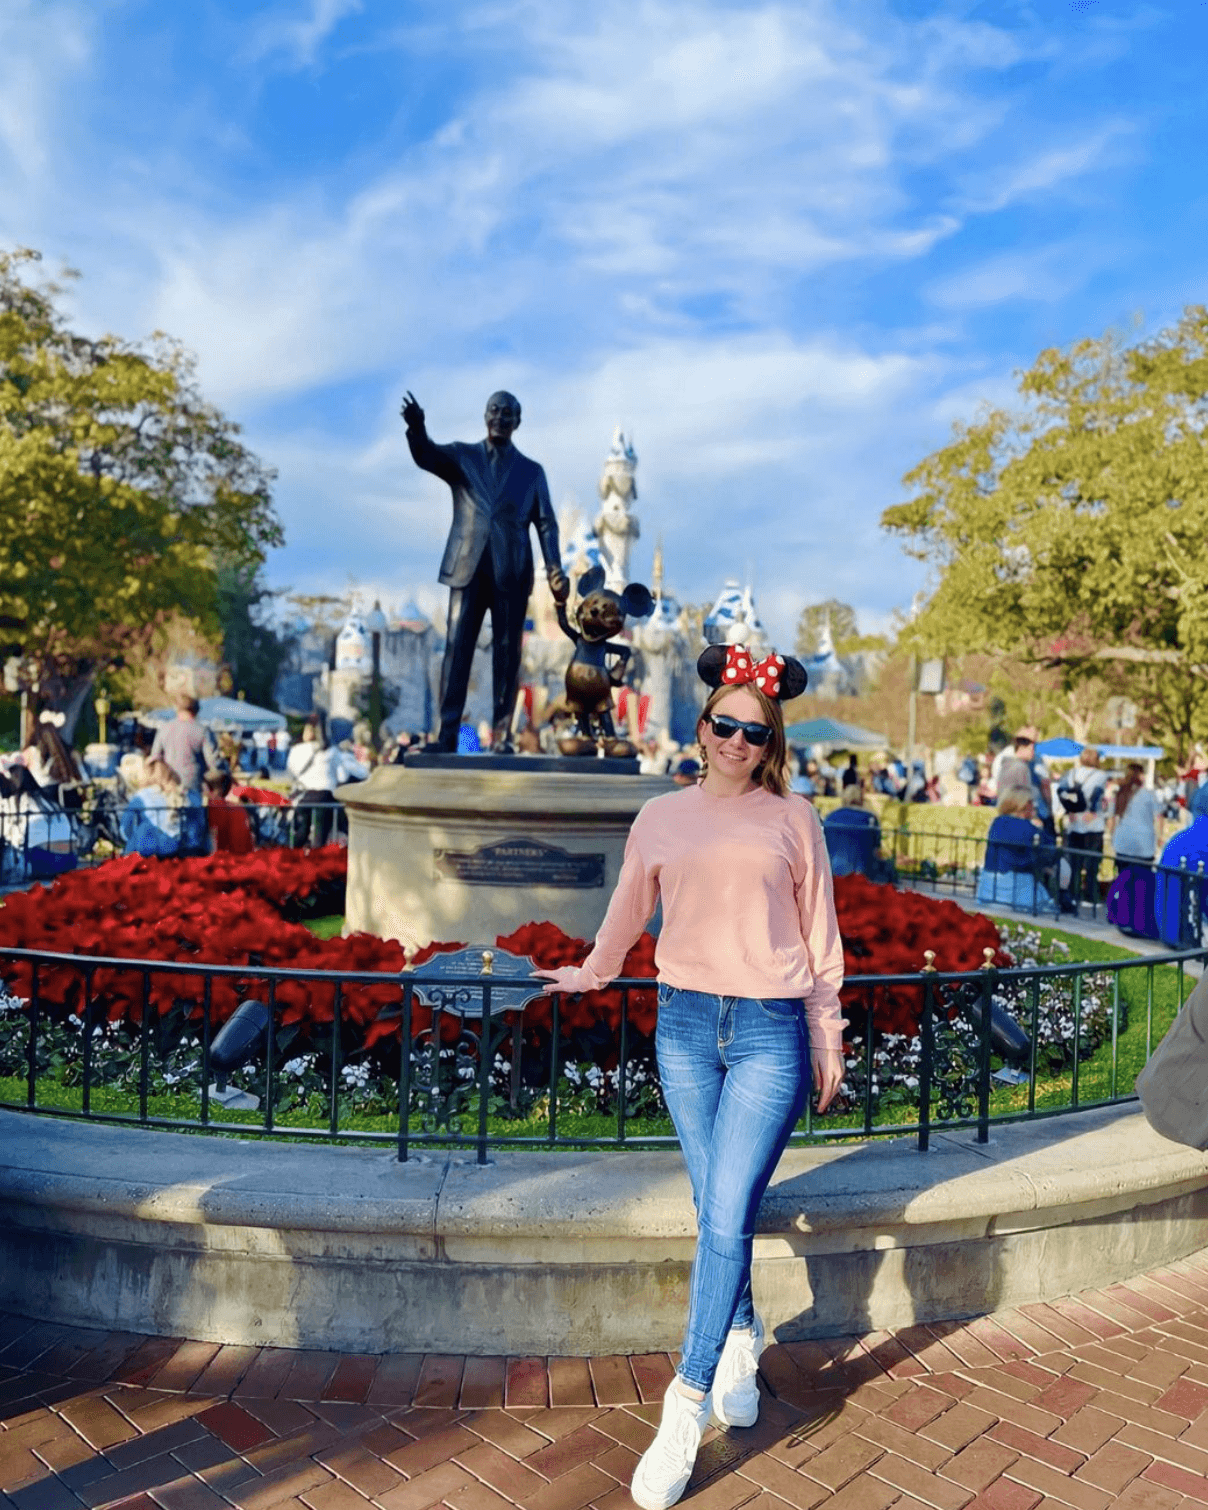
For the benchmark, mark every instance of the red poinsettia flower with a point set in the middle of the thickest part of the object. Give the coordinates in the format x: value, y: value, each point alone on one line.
x: 229, y: 909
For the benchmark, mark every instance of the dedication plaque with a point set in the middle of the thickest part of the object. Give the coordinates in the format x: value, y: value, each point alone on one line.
x: 519, y: 862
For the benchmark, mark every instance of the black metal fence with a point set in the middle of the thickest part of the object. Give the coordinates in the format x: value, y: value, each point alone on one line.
x: 458, y: 1069
x: 40, y: 839
x: 1054, y: 877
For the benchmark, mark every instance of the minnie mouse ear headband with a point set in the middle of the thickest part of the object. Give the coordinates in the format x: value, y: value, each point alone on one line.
x: 56, y: 720
x: 778, y: 676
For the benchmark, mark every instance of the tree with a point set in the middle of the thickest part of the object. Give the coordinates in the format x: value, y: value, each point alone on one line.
x: 120, y: 491
x: 809, y: 626
x: 253, y: 650
x: 171, y: 644
x: 1073, y: 531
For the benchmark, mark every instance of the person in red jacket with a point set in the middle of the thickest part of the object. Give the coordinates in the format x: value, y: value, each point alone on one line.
x: 229, y: 828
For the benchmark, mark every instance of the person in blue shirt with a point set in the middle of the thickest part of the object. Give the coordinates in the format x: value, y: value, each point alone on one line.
x: 1016, y: 865
x: 1178, y: 901
x: 853, y: 836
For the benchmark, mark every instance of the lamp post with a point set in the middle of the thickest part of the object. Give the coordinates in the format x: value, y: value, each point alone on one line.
x: 375, y: 623
x: 912, y: 697
x: 102, y: 715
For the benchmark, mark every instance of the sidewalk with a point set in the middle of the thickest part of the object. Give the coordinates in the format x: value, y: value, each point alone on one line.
x: 1094, y: 1401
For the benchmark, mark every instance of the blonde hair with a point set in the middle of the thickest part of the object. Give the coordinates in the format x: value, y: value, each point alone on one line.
x: 772, y: 772
x: 1016, y: 798
x: 161, y: 774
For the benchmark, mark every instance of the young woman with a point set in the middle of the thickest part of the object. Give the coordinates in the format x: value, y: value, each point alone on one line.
x: 49, y: 760
x: 749, y: 965
x: 1019, y: 861
x: 151, y: 821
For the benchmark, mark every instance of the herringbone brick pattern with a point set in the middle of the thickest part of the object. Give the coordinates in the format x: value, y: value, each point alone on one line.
x: 1099, y: 1399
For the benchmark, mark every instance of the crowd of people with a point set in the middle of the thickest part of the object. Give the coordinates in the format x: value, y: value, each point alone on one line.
x: 182, y: 790
x: 39, y: 789
x: 1045, y: 848
x: 177, y: 790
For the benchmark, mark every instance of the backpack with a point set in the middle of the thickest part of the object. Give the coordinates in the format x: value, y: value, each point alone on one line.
x: 1173, y: 1086
x: 1073, y: 798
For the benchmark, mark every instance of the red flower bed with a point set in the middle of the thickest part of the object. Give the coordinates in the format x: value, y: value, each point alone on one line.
x: 886, y: 932
x: 240, y: 910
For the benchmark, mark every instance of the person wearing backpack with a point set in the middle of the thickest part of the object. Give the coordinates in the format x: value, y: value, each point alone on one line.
x: 1083, y: 794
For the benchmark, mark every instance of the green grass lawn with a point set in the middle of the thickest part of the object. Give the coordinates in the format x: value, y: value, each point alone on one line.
x: 1150, y: 994
x: 327, y: 928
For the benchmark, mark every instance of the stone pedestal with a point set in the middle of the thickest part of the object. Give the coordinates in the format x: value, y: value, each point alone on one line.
x: 458, y: 853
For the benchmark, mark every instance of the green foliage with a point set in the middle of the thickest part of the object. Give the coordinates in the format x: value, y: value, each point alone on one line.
x: 1073, y: 532
x: 120, y: 489
x: 251, y: 649
x: 843, y: 625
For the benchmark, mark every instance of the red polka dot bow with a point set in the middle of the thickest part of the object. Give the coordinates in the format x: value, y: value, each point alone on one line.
x: 741, y: 666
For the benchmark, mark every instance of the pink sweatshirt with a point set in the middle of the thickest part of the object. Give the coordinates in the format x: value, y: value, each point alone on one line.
x: 748, y: 908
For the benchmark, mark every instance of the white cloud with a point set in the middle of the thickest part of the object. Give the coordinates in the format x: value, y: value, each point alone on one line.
x: 1042, y: 172
x: 617, y: 219
x: 1042, y: 276
x: 297, y: 39
x: 58, y: 37
x: 702, y: 152
x: 727, y: 431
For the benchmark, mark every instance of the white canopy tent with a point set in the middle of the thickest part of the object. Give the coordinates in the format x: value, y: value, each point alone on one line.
x: 225, y: 715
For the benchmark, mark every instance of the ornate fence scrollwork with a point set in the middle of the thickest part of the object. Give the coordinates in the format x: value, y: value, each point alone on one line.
x: 446, y: 1073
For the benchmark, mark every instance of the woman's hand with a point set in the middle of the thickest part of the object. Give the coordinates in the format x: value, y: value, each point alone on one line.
x: 828, y: 1069
x: 564, y: 978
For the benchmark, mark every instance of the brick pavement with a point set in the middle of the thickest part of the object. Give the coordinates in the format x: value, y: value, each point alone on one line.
x: 1099, y: 1399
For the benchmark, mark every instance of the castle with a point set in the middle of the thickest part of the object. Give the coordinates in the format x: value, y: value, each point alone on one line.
x: 663, y: 694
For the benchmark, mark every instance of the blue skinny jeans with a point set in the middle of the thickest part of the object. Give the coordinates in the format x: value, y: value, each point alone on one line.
x: 736, y: 1077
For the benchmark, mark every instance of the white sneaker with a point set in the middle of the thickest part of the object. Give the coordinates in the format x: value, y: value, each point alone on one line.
x: 666, y: 1466
x: 735, y: 1386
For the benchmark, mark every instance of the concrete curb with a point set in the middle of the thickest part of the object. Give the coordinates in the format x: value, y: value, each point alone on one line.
x: 543, y: 1254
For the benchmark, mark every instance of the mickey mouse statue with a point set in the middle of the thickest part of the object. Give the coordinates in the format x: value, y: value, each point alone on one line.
x: 598, y: 663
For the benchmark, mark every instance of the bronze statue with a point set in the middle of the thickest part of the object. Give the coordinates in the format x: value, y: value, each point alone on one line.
x: 488, y: 562
x: 598, y: 663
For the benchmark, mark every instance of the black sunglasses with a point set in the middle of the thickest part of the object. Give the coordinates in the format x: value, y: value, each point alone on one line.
x: 726, y: 727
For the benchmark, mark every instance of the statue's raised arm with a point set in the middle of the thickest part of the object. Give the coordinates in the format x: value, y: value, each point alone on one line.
x: 413, y: 415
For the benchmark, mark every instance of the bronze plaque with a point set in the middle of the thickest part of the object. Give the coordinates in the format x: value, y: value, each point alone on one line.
x: 519, y: 862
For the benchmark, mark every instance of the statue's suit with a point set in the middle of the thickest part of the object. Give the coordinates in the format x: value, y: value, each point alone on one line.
x: 488, y: 562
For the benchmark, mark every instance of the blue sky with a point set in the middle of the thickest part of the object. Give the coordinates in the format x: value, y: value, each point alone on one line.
x: 786, y: 245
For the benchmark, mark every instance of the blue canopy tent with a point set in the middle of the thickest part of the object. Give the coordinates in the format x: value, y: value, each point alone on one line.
x: 839, y: 736
x: 1062, y: 748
